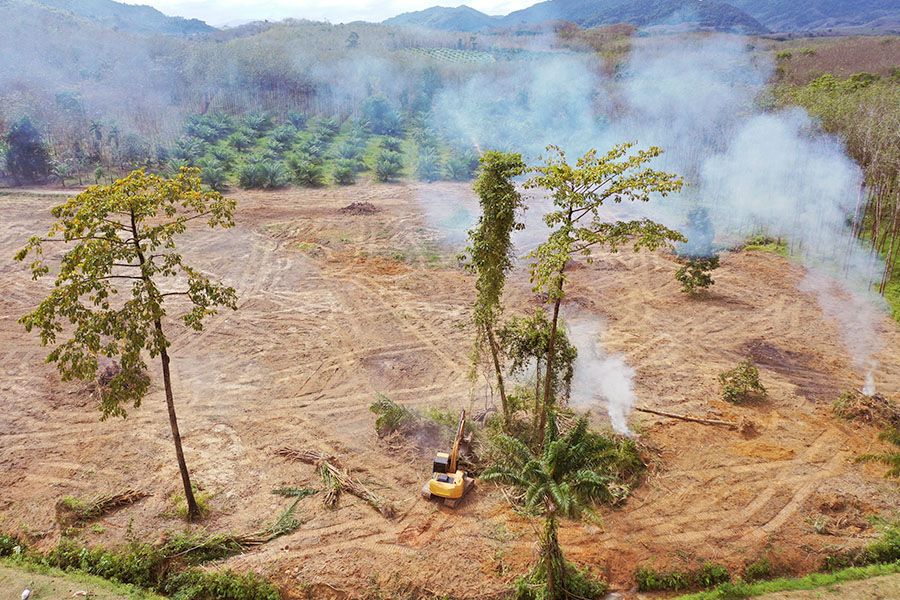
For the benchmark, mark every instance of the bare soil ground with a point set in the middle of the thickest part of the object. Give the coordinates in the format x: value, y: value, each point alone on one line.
x: 877, y: 588
x: 338, y: 305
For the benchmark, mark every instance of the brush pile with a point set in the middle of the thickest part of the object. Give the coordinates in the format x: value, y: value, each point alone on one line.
x: 360, y: 208
x: 337, y: 480
x: 402, y: 426
x: 875, y: 409
x: 72, y: 511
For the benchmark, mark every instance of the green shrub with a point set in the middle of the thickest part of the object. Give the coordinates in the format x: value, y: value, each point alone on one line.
x: 758, y: 570
x: 350, y: 150
x: 213, y: 174
x: 577, y: 583
x: 345, y: 172
x: 650, y: 580
x: 263, y: 173
x: 765, y: 243
x: 306, y: 171
x: 380, y: 117
x: 194, y: 584
x: 240, y: 140
x: 708, y: 575
x: 200, y: 496
x: 391, y: 416
x: 461, y: 167
x: 388, y: 165
x: 884, y: 550
x: 325, y: 129
x: 695, y: 274
x: 197, y: 548
x: 741, y: 383
x: 394, y: 144
x: 141, y: 564
x: 297, y: 119
x: 225, y: 155
x: 258, y: 123
x: 189, y: 149
x: 11, y: 545
x: 210, y: 128
x: 428, y: 164
x: 156, y: 569
x: 284, y: 134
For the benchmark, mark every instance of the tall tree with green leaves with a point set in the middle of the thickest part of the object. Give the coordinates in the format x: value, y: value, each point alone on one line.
x: 578, y: 192
x: 490, y: 250
x: 560, y: 481
x: 115, y: 280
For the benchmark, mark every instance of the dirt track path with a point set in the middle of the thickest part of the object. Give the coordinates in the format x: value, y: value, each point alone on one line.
x: 329, y: 315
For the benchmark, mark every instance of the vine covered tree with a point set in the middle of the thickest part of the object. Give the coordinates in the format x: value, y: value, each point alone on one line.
x: 115, y: 281
x: 559, y: 481
x: 490, y: 251
x: 578, y: 192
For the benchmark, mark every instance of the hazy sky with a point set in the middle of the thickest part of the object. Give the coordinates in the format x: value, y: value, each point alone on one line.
x: 222, y: 12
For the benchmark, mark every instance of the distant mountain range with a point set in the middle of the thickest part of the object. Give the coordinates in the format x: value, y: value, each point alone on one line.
x: 461, y: 18
x: 743, y: 16
x: 125, y: 17
x: 739, y: 16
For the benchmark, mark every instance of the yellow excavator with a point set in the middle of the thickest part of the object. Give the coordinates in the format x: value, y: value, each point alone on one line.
x: 447, y: 480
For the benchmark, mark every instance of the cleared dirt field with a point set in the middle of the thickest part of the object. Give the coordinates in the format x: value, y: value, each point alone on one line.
x: 336, y: 306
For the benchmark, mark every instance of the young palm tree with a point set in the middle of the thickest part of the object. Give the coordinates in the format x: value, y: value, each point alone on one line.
x: 889, y: 459
x: 561, y: 481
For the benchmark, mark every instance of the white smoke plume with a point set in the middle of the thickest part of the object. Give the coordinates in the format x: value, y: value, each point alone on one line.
x: 755, y: 170
x: 600, y: 377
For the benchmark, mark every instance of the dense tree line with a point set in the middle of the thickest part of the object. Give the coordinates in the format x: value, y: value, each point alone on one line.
x: 864, y: 109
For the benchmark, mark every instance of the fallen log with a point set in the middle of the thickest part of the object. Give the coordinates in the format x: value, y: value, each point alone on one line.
x: 660, y: 413
x: 337, y: 479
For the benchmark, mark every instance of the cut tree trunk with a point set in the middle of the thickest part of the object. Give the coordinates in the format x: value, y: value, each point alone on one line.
x: 495, y: 352
x: 548, y: 370
x: 660, y: 413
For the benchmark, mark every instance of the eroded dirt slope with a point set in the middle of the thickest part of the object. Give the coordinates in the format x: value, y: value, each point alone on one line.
x: 338, y: 305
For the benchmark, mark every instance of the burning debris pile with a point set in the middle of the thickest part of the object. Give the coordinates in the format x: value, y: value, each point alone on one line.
x: 874, y: 409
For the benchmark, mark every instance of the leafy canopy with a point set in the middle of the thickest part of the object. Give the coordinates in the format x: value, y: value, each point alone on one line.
x: 120, y: 268
x: 526, y: 340
x: 579, y: 191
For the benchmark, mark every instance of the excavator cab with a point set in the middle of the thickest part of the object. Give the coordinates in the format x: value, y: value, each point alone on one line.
x: 447, y: 481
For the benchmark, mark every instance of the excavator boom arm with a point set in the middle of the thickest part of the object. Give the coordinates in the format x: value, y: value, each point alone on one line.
x: 454, y: 452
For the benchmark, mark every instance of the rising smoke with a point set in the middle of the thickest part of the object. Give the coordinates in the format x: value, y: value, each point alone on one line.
x: 600, y: 376
x: 753, y: 170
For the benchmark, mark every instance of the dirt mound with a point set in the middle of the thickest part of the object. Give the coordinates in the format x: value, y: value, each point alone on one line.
x: 360, y: 208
